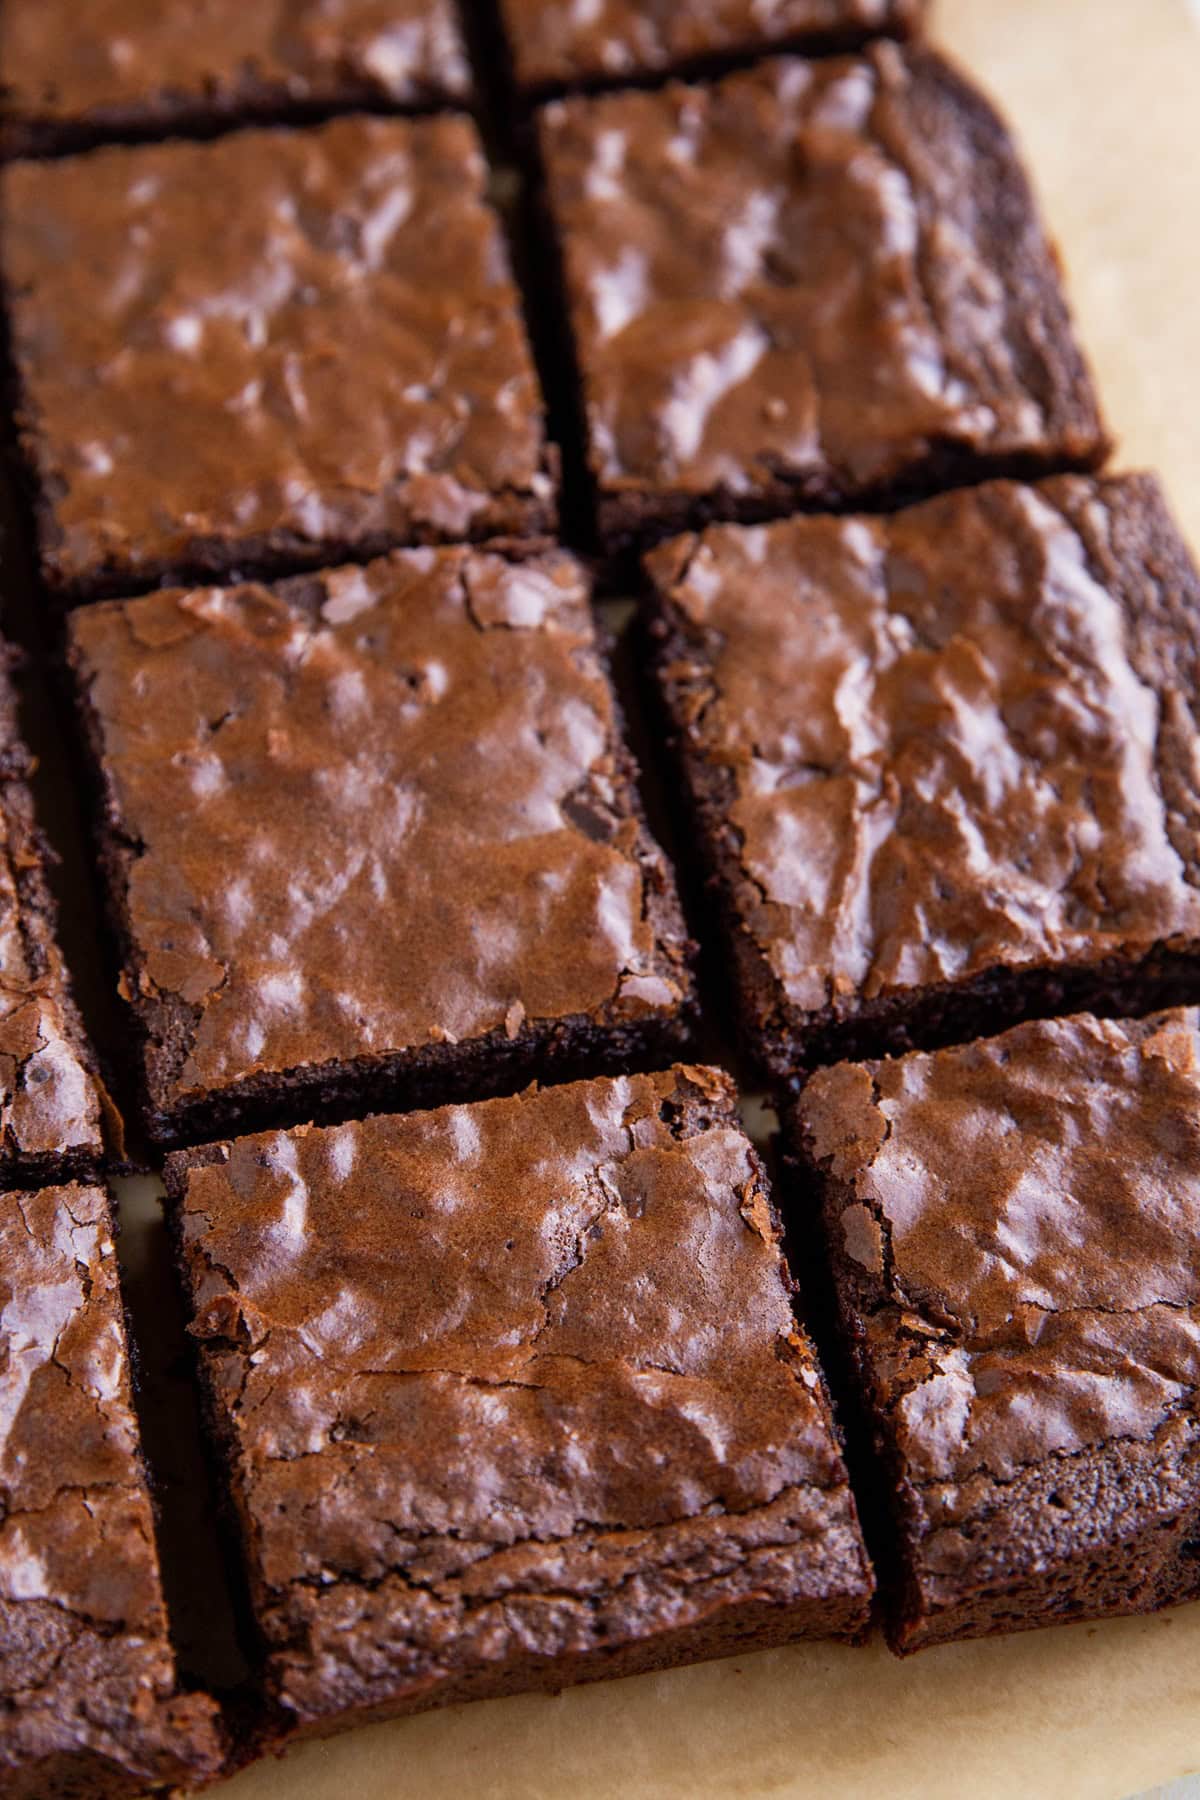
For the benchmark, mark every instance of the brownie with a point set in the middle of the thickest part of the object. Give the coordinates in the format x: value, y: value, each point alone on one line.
x: 512, y: 1395
x: 53, y: 1105
x: 556, y: 44
x: 88, y: 1702
x: 1013, y: 1231
x: 373, y: 834
x: 944, y: 765
x: 274, y: 350
x: 811, y: 284
x: 129, y: 68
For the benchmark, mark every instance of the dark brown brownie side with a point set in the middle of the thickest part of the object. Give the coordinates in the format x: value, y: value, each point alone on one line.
x: 1133, y: 551
x: 88, y: 1701
x: 160, y: 68
x: 1012, y: 1229
x: 762, y: 328
x: 575, y: 1485
x: 565, y: 757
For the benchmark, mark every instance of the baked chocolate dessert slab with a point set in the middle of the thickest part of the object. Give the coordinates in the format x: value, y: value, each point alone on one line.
x: 274, y: 350
x: 511, y: 1395
x: 52, y: 1103
x: 120, y: 68
x: 1014, y: 1229
x: 811, y: 284
x: 372, y: 836
x: 88, y: 1703
x: 945, y: 765
x: 555, y: 44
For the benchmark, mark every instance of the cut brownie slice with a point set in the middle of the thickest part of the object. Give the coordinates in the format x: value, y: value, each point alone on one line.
x: 73, y: 74
x: 1014, y: 1230
x: 555, y: 44
x: 268, y: 352
x: 512, y: 1395
x: 810, y: 284
x: 87, y: 1681
x: 946, y: 764
x: 373, y: 835
x: 52, y: 1102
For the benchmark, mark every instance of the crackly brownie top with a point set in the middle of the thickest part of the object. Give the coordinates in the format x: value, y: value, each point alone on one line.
x: 959, y: 737
x: 121, y: 60
x: 85, y: 1666
x: 49, y: 1097
x: 817, y: 272
x: 274, y: 342
x: 371, y: 810
x: 440, y: 1337
x: 558, y: 42
x: 1017, y: 1223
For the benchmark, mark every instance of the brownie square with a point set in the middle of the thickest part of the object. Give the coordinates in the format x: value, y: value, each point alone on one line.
x: 555, y: 44
x: 74, y: 74
x: 1013, y: 1230
x: 512, y: 1395
x: 266, y: 352
x: 945, y: 765
x: 88, y: 1703
x: 808, y: 285
x: 52, y: 1102
x: 373, y: 834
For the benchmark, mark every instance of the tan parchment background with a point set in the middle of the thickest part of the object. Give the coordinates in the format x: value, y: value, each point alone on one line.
x: 1106, y: 96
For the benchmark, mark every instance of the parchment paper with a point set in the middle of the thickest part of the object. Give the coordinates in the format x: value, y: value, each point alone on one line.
x: 1106, y: 96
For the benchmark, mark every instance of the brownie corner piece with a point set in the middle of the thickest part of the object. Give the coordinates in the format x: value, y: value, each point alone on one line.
x: 810, y: 284
x: 1012, y: 1227
x: 942, y: 763
x: 178, y: 313
x: 372, y: 835
x: 484, y: 1428
x: 88, y: 1689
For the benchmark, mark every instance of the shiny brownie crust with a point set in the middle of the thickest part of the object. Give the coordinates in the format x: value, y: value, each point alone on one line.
x: 372, y: 836
x: 811, y: 284
x: 1011, y: 1227
x: 482, y: 1427
x: 942, y: 764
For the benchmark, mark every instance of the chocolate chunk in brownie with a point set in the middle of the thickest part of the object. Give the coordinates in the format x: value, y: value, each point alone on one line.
x: 945, y: 765
x: 1014, y: 1228
x: 134, y: 68
x: 52, y: 1102
x: 555, y: 44
x: 268, y: 352
x: 808, y: 285
x: 512, y: 1395
x: 373, y: 835
x: 88, y: 1702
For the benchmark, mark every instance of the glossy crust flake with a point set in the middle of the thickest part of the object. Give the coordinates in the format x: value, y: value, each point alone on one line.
x: 87, y: 1680
x: 945, y: 764
x: 373, y: 833
x: 75, y: 74
x: 268, y: 352
x: 810, y: 284
x: 1013, y: 1230
x: 560, y: 44
x: 52, y: 1103
x: 484, y: 1427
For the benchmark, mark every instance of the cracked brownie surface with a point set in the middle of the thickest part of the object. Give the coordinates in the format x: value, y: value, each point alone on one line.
x: 945, y: 764
x: 810, y: 283
x: 1012, y: 1228
x: 557, y: 43
x: 86, y: 1671
x: 373, y: 823
x: 512, y: 1394
x: 182, y: 322
x: 73, y: 74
